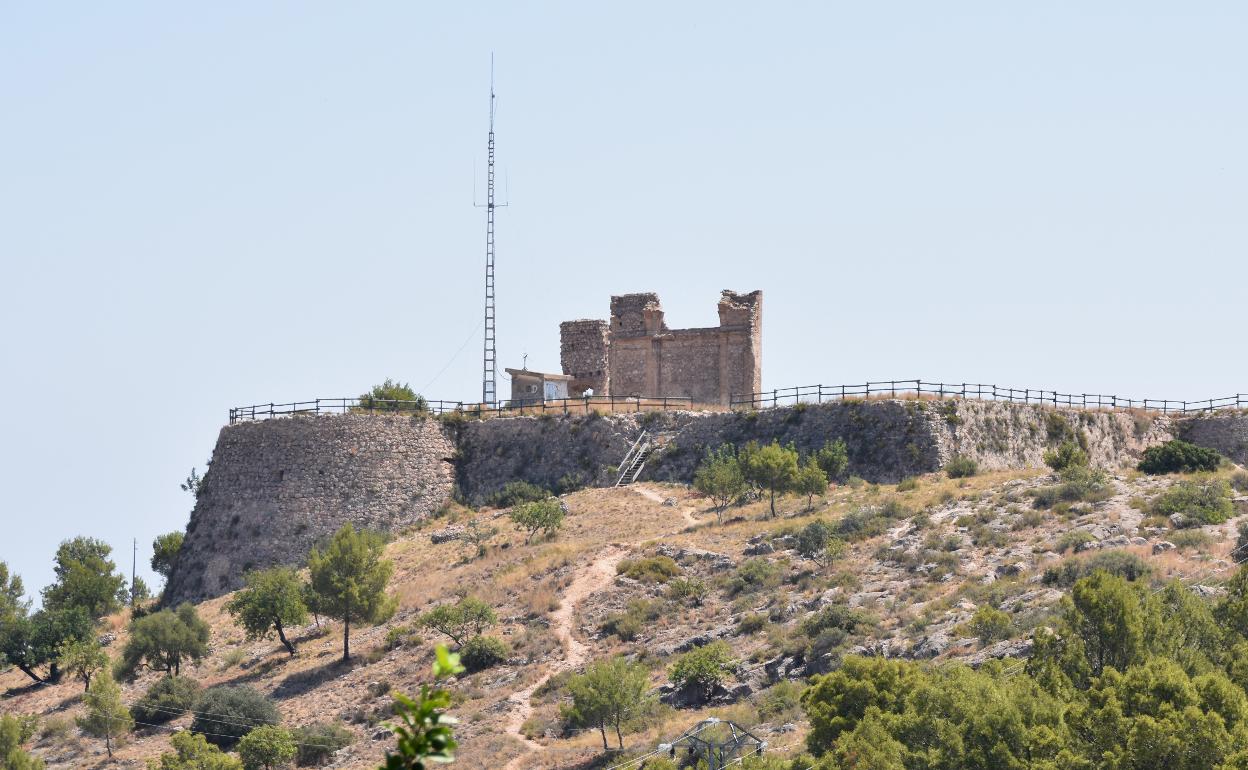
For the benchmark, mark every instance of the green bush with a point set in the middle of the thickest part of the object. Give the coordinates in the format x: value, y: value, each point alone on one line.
x: 908, y: 484
x: 627, y: 625
x: 1206, y: 501
x: 1068, y: 455
x: 751, y: 623
x: 378, y: 399
x: 780, y: 702
x: 702, y: 669
x: 1072, y: 540
x: 991, y: 624
x: 689, y: 589
x: 167, y: 699
x: 1178, y: 457
x: 1191, y: 538
x: 267, y: 747
x: 517, y: 492
x: 651, y: 569
x: 1239, y: 480
x: 1124, y: 564
x: 225, y: 714
x: 318, y: 742
x: 403, y: 636
x: 1080, y: 484
x: 754, y: 575
x: 482, y: 652
x: 961, y: 467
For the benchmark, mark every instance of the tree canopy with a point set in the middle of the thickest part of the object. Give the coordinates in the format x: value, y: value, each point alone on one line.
x: 272, y: 600
x: 163, y: 640
x: 85, y: 577
x: 349, y: 577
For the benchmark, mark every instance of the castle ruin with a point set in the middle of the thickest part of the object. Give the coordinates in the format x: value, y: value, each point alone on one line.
x: 636, y: 354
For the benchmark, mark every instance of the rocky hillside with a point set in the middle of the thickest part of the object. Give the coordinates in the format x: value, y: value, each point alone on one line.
x: 922, y: 557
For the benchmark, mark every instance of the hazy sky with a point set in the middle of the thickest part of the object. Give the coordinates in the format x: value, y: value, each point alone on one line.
x: 204, y: 205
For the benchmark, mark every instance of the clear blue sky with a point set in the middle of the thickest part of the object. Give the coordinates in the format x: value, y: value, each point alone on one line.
x: 215, y: 204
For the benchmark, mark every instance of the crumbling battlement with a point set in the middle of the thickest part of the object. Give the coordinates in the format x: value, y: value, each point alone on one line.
x: 636, y: 354
x: 583, y: 355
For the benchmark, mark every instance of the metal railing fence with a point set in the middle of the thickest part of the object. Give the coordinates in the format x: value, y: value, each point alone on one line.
x: 922, y: 388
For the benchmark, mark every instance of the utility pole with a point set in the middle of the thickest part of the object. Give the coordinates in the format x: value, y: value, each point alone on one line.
x: 134, y: 565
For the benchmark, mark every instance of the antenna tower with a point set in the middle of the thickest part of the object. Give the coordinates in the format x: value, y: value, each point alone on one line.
x: 489, y: 389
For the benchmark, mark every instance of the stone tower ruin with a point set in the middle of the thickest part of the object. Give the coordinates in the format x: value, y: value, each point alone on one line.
x: 636, y: 354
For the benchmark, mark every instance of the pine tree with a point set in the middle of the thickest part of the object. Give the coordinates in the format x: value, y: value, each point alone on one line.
x: 349, y: 578
x: 106, y: 717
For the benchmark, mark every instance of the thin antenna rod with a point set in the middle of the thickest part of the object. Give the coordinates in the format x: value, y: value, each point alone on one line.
x: 489, y: 389
x: 134, y: 566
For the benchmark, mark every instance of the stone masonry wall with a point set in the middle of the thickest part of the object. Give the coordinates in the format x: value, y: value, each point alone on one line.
x: 583, y: 355
x: 276, y: 488
x: 1227, y: 432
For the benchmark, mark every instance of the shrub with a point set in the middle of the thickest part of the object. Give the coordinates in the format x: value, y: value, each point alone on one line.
x: 225, y: 714
x: 403, y: 636
x: 781, y: 701
x: 1199, y: 502
x: 961, y: 467
x: 482, y: 652
x: 833, y: 458
x: 1067, y: 455
x: 751, y: 623
x: 1124, y: 564
x: 1239, y: 480
x: 687, y: 589
x: 1178, y: 457
x: 1080, y: 484
x: 167, y: 699
x: 991, y: 624
x: 652, y: 569
x: 266, y: 748
x: 1191, y: 538
x: 318, y: 742
x: 194, y: 752
x: 754, y: 575
x: 627, y: 625
x: 908, y: 484
x: 516, y: 492
x: 702, y: 669
x: 380, y: 398
x: 1072, y: 540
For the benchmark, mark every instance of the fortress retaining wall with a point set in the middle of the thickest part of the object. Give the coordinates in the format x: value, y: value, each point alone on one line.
x: 277, y: 487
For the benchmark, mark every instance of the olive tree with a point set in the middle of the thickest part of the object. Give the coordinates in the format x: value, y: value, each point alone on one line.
x: 271, y: 601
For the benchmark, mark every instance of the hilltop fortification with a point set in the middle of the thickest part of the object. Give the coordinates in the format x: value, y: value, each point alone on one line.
x: 636, y: 354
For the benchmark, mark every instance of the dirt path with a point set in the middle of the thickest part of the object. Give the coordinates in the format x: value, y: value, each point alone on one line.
x: 597, y: 576
x: 648, y: 493
x: 593, y: 578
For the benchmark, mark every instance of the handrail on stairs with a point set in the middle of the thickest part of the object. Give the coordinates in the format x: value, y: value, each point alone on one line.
x: 631, y: 457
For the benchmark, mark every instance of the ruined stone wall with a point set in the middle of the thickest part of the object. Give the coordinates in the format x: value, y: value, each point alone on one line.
x: 583, y: 355
x: 1227, y: 432
x: 646, y: 358
x: 276, y: 488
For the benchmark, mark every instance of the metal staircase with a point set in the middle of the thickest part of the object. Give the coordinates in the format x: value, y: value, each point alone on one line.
x: 641, y: 450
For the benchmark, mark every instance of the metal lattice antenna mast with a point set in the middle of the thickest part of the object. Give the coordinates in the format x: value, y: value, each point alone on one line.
x: 489, y: 391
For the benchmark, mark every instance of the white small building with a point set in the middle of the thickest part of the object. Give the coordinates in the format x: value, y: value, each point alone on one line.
x: 535, y: 387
